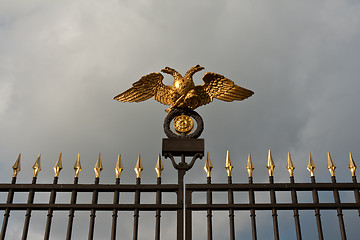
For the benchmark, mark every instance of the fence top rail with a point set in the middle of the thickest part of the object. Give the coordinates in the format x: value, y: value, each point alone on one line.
x: 87, y: 207
x: 89, y: 187
x: 275, y: 186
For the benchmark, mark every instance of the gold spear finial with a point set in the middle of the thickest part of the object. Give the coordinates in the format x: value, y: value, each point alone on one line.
x: 270, y: 164
x: 77, y: 166
x: 58, y: 166
x: 16, y: 167
x: 331, y: 166
x: 290, y: 166
x: 159, y: 166
x: 118, y: 167
x: 37, y: 166
x: 98, y: 167
x: 311, y: 166
x: 208, y: 166
x: 138, y: 167
x: 352, y: 165
x: 249, y: 166
x: 228, y: 164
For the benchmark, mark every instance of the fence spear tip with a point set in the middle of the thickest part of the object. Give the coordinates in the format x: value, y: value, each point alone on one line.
x: 37, y: 166
x: 98, y: 167
x: 58, y: 166
x: 249, y: 166
x: 270, y: 164
x: 208, y: 166
x: 290, y: 166
x: 118, y: 167
x: 16, y: 167
x: 311, y: 166
x: 159, y: 166
x: 138, y: 167
x: 330, y: 165
x: 77, y: 166
x: 228, y: 164
x: 352, y: 165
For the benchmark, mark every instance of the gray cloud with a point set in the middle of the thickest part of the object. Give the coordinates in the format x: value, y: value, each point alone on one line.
x: 61, y: 63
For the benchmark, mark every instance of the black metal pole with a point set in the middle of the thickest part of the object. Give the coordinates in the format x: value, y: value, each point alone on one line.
x: 209, y: 212
x: 115, y: 212
x: 252, y: 211
x: 71, y: 211
x: 356, y: 192
x: 50, y: 211
x: 93, y: 211
x: 180, y: 201
x: 231, y: 210
x: 317, y: 211
x: 188, y: 216
x: 296, y: 211
x: 158, y: 212
x: 339, y: 210
x: 274, y: 212
x: 7, y: 210
x: 136, y: 211
x: 28, y: 211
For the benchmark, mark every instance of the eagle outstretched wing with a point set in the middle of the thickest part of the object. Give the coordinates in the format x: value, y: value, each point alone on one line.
x: 147, y: 87
x: 220, y: 87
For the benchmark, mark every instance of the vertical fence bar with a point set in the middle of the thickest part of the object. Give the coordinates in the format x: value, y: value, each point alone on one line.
x: 339, y: 210
x: 9, y: 200
x: 274, y: 211
x: 158, y: 212
x: 231, y: 210
x: 28, y: 211
x: 136, y: 211
x: 356, y: 192
x: 317, y: 211
x: 252, y: 211
x: 180, y: 201
x: 50, y: 211
x: 115, y: 212
x: 93, y: 211
x: 71, y: 211
x: 209, y: 212
x: 296, y: 211
x: 188, y: 216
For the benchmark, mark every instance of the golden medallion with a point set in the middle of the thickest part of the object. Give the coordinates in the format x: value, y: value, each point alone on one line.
x: 183, y: 124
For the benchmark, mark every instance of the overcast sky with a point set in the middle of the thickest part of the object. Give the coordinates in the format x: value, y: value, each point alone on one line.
x: 62, y: 62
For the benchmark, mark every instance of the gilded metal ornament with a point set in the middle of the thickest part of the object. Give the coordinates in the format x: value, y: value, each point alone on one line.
x: 311, y: 166
x: 352, y: 165
x: 98, y: 167
x: 118, y: 167
x: 77, y: 166
x: 58, y: 166
x: 249, y: 166
x: 183, y: 93
x: 183, y: 124
x: 290, y: 166
x: 228, y: 164
x: 37, y: 166
x: 138, y: 167
x: 330, y: 165
x: 16, y: 167
x: 159, y: 167
x: 208, y: 166
x: 270, y: 164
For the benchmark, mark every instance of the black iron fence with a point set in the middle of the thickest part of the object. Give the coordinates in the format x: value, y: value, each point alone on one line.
x: 183, y: 205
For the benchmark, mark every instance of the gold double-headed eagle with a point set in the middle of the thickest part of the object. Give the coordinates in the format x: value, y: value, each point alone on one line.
x: 183, y: 93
